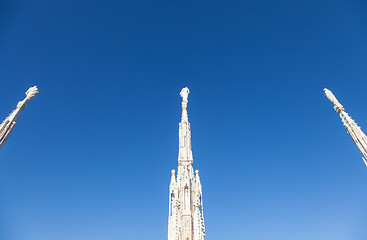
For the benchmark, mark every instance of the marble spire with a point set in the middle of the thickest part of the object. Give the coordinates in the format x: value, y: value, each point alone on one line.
x: 354, y: 131
x: 8, y: 124
x: 186, y: 217
x: 185, y: 152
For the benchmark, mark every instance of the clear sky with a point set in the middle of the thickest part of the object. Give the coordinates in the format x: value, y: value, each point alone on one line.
x: 91, y: 155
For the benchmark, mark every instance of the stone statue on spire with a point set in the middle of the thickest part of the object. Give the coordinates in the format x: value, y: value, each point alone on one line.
x: 8, y: 124
x: 354, y: 131
x: 184, y: 94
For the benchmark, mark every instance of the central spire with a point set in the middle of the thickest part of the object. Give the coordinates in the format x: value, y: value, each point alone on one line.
x: 185, y: 153
x: 186, y: 217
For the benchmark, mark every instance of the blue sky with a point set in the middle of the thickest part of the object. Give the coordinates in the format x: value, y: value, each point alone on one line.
x: 90, y: 157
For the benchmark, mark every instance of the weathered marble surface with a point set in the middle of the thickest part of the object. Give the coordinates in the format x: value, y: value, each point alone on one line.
x: 8, y: 124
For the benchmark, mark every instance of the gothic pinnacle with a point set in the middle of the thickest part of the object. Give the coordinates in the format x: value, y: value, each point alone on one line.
x: 185, y: 153
x: 354, y: 131
x: 8, y: 124
x: 186, y: 219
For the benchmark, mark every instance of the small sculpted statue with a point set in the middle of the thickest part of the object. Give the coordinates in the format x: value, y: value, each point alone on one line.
x: 31, y: 92
x: 184, y: 94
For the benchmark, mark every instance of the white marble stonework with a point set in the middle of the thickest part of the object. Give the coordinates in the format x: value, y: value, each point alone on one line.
x: 354, y: 131
x: 8, y: 124
x: 186, y: 217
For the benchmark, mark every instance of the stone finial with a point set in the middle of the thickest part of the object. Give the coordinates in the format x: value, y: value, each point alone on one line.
x: 331, y: 96
x: 173, y: 177
x: 197, y: 175
x: 337, y: 106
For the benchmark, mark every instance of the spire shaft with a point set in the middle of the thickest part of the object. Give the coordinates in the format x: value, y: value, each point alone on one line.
x: 185, y: 152
x: 186, y: 220
x: 354, y: 131
x: 8, y: 124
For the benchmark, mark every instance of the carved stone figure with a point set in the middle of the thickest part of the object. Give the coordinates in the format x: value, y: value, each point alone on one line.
x: 184, y: 94
x: 8, y: 124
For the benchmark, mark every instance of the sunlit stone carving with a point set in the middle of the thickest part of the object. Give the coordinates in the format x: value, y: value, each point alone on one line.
x: 186, y: 217
x: 8, y: 124
x: 354, y: 131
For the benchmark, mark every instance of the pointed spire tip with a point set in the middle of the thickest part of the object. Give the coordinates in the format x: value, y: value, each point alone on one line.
x: 337, y: 106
